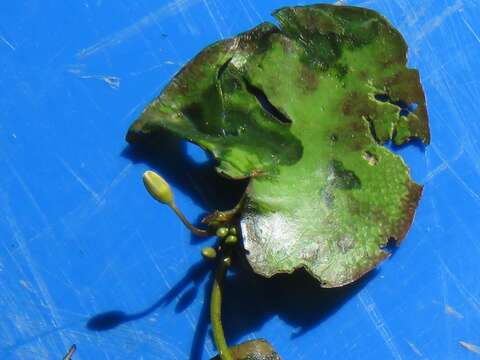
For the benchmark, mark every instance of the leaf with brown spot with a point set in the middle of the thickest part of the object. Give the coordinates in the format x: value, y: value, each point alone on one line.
x: 303, y: 111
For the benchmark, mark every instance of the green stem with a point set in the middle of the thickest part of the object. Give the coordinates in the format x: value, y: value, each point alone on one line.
x: 187, y: 223
x: 70, y: 353
x: 216, y: 310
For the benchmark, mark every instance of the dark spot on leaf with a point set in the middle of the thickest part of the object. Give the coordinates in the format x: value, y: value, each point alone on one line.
x: 238, y: 114
x: 308, y: 80
x: 341, y: 70
x: 342, y: 178
x: 357, y: 104
x: 206, y: 114
x: 327, y: 196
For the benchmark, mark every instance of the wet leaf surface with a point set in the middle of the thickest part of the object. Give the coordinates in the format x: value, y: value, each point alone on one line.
x: 303, y: 110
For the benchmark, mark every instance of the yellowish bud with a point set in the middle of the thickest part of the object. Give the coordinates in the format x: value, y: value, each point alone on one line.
x: 209, y: 253
x: 158, y: 187
x: 222, y: 232
x: 231, y: 240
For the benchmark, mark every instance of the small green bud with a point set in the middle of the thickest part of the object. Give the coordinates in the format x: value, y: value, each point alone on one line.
x: 209, y: 253
x: 222, y: 232
x: 231, y: 240
x: 232, y: 230
x: 158, y: 187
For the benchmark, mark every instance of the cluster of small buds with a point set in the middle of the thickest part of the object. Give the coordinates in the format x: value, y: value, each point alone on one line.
x: 228, y: 236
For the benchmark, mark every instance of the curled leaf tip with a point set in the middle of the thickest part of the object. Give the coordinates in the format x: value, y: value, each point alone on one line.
x: 158, y: 187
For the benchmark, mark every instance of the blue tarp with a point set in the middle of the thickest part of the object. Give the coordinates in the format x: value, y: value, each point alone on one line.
x: 79, y: 235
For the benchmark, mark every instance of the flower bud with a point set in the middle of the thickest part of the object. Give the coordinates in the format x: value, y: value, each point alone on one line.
x: 231, y: 240
x: 222, y: 232
x: 158, y: 187
x: 209, y: 253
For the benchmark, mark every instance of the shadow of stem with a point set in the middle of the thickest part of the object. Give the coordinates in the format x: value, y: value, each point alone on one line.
x: 297, y: 298
x: 195, y: 275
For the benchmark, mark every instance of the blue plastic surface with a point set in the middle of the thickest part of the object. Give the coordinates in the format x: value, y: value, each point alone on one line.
x: 79, y: 235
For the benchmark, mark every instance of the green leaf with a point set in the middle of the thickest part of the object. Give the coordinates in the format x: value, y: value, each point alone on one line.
x: 303, y: 110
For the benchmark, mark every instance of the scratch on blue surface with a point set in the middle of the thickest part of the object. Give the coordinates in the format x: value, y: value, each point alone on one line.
x: 27, y: 258
x: 112, y: 81
x: 469, y: 27
x: 437, y: 21
x: 80, y: 180
x: 446, y: 40
x: 116, y: 180
x: 214, y: 20
x: 254, y: 10
x: 186, y: 18
x: 416, y: 350
x: 169, y: 9
x: 467, y: 294
x: 247, y: 13
x: 470, y: 347
x: 28, y: 193
x: 444, y: 166
x: 455, y: 174
x: 377, y: 320
x: 6, y: 42
x: 450, y: 310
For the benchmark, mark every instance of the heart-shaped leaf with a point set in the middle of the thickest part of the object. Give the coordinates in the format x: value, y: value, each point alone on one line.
x: 303, y: 110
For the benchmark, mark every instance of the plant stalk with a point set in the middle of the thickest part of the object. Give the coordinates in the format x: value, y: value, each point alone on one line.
x: 216, y: 310
x: 195, y: 230
x: 70, y: 353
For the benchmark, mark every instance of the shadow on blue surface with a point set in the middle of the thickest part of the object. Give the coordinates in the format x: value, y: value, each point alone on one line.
x: 194, y: 277
x: 196, y: 179
x: 256, y: 298
x: 168, y: 155
x: 250, y: 301
x: 298, y: 299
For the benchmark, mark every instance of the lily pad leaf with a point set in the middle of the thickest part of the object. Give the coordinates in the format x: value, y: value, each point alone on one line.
x: 303, y: 110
